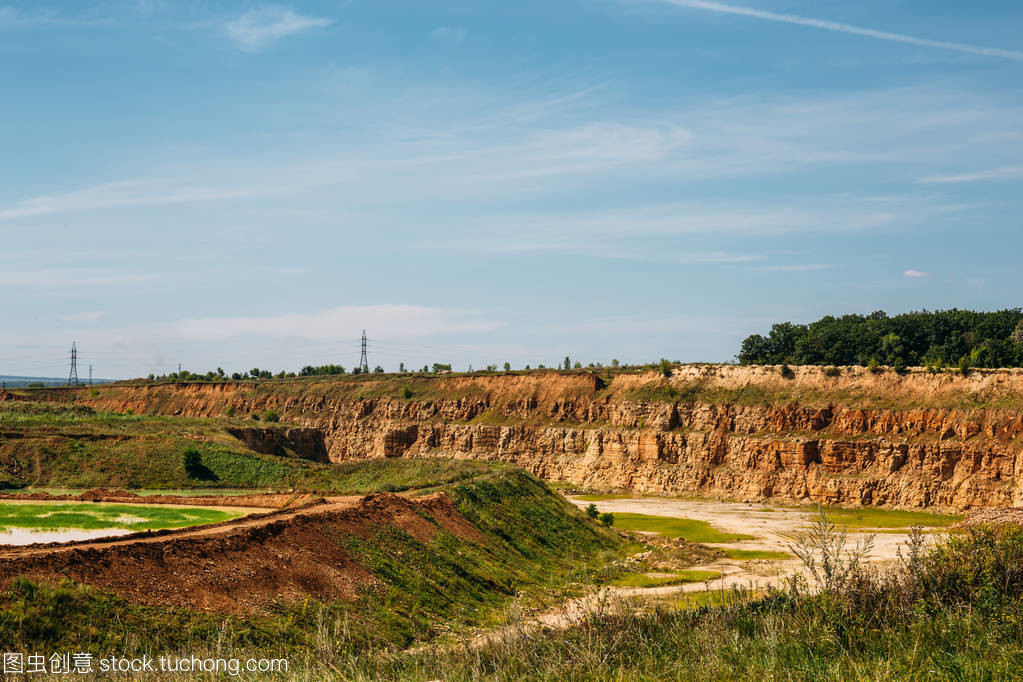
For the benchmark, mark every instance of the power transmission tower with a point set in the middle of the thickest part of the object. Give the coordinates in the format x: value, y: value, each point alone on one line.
x: 72, y: 377
x: 364, y: 360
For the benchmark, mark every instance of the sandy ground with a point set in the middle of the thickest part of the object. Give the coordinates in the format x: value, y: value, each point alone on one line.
x: 771, y: 526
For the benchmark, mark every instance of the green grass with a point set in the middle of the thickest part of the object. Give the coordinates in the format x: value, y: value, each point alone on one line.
x: 89, y: 515
x: 749, y: 554
x: 63, y: 446
x: 677, y: 578
x: 601, y: 498
x: 873, y: 517
x: 672, y: 527
x: 536, y: 548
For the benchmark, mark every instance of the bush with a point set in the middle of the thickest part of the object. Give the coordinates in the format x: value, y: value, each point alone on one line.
x: 406, y: 392
x: 271, y: 416
x: 832, y: 372
x: 873, y: 367
x: 254, y: 416
x: 229, y: 411
x: 591, y: 511
x: 787, y: 372
x: 964, y: 365
x: 607, y: 518
x: 192, y: 461
x: 665, y: 368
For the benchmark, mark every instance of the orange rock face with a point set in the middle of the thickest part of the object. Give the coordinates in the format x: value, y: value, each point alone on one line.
x: 811, y: 438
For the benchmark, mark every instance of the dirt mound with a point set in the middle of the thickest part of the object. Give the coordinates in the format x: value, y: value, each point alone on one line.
x: 241, y: 566
x: 99, y: 494
x: 992, y: 517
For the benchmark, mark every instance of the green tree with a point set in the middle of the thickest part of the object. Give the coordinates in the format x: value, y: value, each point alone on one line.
x: 507, y: 367
x: 665, y: 368
x: 893, y: 349
x: 591, y: 511
x: 1017, y: 334
x: 192, y: 461
x: 568, y: 363
x: 607, y: 518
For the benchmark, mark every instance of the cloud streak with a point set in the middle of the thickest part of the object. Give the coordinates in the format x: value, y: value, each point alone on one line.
x: 846, y: 28
x: 392, y: 321
x: 259, y: 29
x: 1005, y: 173
x: 125, y: 194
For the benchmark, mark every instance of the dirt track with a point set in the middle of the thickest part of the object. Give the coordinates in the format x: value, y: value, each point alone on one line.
x: 241, y: 565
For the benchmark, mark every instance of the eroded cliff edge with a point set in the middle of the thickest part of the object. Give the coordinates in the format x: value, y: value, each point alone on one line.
x: 827, y: 435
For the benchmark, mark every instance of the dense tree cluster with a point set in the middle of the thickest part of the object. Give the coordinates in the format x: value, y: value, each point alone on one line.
x: 311, y: 371
x: 936, y: 339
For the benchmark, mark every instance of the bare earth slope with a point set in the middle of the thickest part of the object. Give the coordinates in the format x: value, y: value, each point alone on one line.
x: 839, y: 436
x: 241, y: 565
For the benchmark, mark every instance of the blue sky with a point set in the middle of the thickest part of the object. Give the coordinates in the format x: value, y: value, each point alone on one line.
x: 242, y: 184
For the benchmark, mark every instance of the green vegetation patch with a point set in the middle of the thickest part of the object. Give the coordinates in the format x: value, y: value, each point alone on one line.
x: 750, y: 554
x: 90, y: 515
x: 676, y: 578
x: 938, y: 339
x: 672, y: 527
x: 873, y: 517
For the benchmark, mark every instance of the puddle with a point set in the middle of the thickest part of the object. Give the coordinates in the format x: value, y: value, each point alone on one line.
x: 28, y: 536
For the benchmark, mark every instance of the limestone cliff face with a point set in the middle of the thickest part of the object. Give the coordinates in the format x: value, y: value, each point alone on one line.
x: 816, y: 437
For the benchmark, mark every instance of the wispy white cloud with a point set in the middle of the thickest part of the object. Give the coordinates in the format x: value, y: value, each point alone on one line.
x: 258, y: 29
x: 126, y: 194
x: 845, y: 28
x: 71, y: 278
x: 497, y: 151
x: 387, y: 321
x: 915, y: 274
x: 84, y: 316
x: 798, y: 267
x: 449, y: 34
x: 1004, y: 173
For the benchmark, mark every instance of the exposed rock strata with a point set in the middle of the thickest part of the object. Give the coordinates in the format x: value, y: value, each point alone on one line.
x: 572, y: 428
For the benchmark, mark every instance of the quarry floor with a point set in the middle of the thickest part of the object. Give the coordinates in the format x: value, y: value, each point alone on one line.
x: 772, y: 526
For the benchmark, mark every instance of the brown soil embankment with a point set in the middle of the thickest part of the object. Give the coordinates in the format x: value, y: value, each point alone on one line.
x: 241, y: 566
x: 835, y: 436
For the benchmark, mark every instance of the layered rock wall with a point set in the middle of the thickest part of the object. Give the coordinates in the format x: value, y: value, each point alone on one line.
x: 909, y: 441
